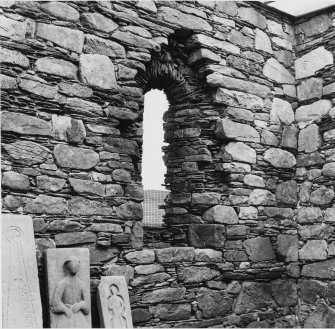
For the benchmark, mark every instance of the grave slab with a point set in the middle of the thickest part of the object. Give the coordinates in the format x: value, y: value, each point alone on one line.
x: 21, y: 301
x: 113, y: 303
x: 68, y: 278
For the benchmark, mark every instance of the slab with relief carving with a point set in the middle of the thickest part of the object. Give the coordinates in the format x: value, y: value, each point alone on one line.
x: 21, y: 300
x: 68, y: 272
x: 113, y: 303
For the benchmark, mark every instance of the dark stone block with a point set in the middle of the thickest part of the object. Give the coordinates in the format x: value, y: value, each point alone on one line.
x: 206, y: 235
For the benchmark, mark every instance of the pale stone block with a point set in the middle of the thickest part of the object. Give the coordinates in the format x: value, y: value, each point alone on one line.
x: 113, y: 303
x: 21, y: 304
x: 68, y: 275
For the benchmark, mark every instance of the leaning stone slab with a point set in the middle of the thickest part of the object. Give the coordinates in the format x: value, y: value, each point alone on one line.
x: 69, y: 287
x: 56, y: 66
x: 21, y: 304
x: 113, y: 303
x: 313, y: 61
x: 13, y: 57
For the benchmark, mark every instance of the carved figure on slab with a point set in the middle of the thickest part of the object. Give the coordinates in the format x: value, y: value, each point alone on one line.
x: 70, y: 299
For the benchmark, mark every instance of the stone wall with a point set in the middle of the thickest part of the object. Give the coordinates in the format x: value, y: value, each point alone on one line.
x: 249, y: 174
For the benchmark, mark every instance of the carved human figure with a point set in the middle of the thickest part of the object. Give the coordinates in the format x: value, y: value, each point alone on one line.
x: 70, y: 299
x: 117, y: 308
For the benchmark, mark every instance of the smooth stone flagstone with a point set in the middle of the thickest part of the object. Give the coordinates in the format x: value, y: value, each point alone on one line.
x: 313, y: 61
x: 68, y: 280
x: 113, y: 303
x: 21, y: 301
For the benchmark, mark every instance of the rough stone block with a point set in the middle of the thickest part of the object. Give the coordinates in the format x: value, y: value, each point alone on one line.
x: 82, y: 206
x: 38, y: 88
x: 75, y: 157
x: 12, y: 29
x: 314, y: 250
x: 280, y: 158
x: 21, y: 301
x: 97, y: 21
x: 277, y: 72
x: 15, y: 181
x: 96, y: 45
x: 310, y: 290
x: 27, y: 153
x: 175, y: 17
x: 322, y: 317
x: 284, y: 292
x: 61, y: 10
x: 206, y: 235
x: 313, y: 61
x: 322, y: 196
x: 241, y: 152
x: 220, y: 214
x: 309, y: 139
x: 171, y: 312
x: 313, y: 112
x: 213, y: 303
x: 237, y: 99
x: 262, y: 41
x: 97, y: 71
x: 316, y: 25
x: 281, y: 112
x: 163, y: 295
x: 227, y: 129
x: 194, y: 274
x: 9, y: 56
x: 310, y: 88
x: 253, y: 296
x: 219, y: 80
x: 288, y: 247
x: 62, y: 36
x: 207, y: 255
x: 262, y: 197
x: 253, y: 17
x: 175, y: 254
x: 24, y: 124
x: 259, y: 249
x: 56, y: 67
x: 286, y: 193
x: 8, y: 83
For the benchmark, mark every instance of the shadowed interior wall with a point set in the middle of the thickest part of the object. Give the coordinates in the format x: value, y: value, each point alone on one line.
x: 250, y: 163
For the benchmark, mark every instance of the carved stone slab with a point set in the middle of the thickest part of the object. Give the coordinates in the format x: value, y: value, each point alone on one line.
x: 113, y: 303
x: 21, y: 301
x: 68, y: 272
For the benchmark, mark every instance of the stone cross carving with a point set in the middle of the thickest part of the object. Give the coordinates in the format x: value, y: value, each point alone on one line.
x: 68, y: 288
x: 21, y: 301
x: 113, y: 303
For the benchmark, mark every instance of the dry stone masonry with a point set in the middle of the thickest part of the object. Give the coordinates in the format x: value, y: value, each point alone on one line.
x: 249, y: 237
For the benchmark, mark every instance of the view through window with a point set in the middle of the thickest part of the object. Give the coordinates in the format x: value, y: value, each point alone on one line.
x: 153, y: 167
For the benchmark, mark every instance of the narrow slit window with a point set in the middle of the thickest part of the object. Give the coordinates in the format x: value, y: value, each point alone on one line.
x: 153, y: 167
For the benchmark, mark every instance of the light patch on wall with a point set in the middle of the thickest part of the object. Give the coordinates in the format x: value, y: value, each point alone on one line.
x: 153, y: 167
